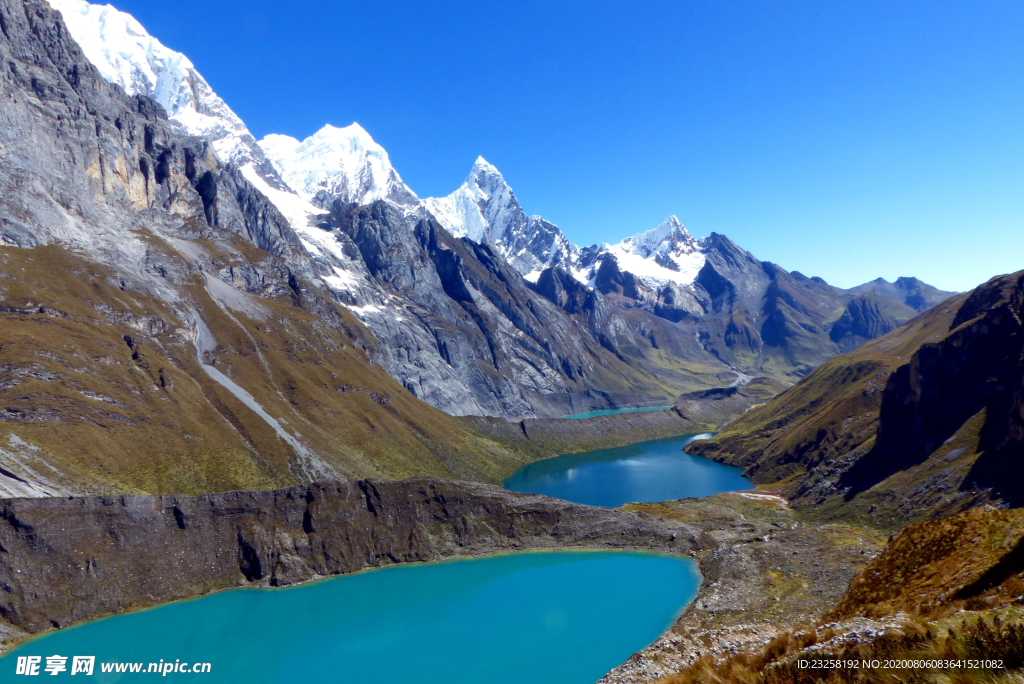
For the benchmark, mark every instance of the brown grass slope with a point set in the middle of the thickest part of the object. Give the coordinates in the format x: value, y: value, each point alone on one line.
x: 101, y: 390
x: 972, y: 560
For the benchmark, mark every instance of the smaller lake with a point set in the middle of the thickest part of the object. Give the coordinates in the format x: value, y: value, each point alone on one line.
x: 544, y: 618
x: 647, y: 471
x: 612, y: 412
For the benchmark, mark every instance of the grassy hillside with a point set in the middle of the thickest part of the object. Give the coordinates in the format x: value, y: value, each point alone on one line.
x: 921, y: 422
x: 101, y: 389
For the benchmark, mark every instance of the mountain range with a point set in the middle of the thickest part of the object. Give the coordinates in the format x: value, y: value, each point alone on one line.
x: 187, y: 310
x: 729, y: 315
x: 282, y: 293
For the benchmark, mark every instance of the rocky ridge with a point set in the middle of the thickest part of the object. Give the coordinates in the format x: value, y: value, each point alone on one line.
x: 923, y: 421
x: 75, y: 559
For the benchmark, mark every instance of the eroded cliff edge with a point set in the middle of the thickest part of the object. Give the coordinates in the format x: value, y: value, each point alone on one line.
x: 65, y: 560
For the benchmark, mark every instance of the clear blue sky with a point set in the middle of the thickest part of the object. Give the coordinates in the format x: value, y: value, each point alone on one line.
x: 847, y: 140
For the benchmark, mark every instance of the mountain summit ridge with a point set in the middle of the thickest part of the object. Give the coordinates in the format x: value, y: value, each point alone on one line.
x: 479, y: 308
x: 346, y: 163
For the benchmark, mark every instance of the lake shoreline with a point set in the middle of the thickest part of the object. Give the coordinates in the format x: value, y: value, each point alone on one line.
x: 582, y: 552
x: 695, y: 412
x: 647, y: 471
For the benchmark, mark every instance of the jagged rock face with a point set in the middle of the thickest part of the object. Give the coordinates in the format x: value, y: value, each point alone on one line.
x: 561, y: 288
x: 472, y: 337
x: 977, y: 367
x: 82, y: 163
x: 610, y: 279
x: 61, y: 567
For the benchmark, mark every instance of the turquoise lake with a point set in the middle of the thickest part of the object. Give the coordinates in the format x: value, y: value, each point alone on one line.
x: 612, y: 412
x: 558, y: 617
x: 648, y: 471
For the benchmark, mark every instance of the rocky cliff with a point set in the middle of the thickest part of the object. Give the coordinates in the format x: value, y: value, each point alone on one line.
x: 922, y: 421
x: 72, y: 559
x: 975, y: 370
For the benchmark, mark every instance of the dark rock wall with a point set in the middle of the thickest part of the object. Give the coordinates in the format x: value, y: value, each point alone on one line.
x: 78, y: 153
x: 978, y: 366
x: 64, y: 560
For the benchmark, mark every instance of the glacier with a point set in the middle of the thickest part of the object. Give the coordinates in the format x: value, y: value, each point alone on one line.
x: 337, y: 163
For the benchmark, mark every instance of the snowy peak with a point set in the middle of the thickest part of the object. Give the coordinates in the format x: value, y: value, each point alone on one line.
x: 482, y: 167
x: 671, y: 237
x: 337, y: 163
x: 666, y: 254
x: 125, y: 54
x: 482, y: 208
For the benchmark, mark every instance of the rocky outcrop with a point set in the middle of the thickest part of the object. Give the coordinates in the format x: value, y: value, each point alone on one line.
x: 72, y: 559
x: 559, y: 287
x: 923, y: 421
x: 976, y: 368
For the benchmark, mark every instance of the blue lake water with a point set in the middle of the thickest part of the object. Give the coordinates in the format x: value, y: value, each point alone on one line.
x: 558, y: 617
x: 612, y: 412
x: 648, y: 471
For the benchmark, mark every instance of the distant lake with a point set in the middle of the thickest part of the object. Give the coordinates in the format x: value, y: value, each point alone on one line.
x: 551, y: 617
x: 612, y: 412
x: 647, y: 471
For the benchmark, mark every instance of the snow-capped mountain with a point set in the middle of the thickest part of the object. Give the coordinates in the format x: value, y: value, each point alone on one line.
x: 346, y: 164
x: 484, y: 209
x: 666, y: 254
x: 127, y: 55
x: 481, y: 208
x: 338, y: 163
